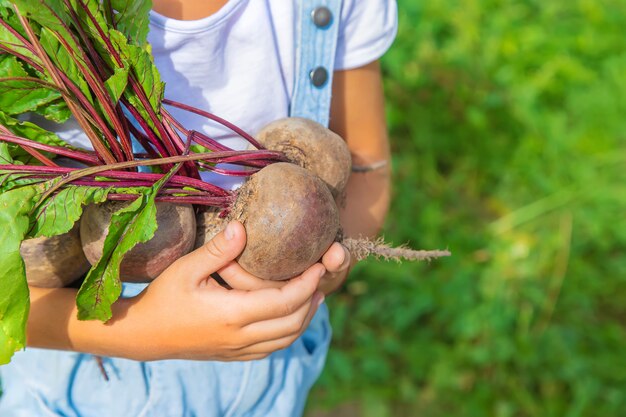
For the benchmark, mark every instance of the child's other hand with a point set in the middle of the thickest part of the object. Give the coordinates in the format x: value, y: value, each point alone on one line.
x: 336, y: 260
x: 186, y: 314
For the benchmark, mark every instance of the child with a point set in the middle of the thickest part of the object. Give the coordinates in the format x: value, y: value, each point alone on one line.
x: 184, y: 346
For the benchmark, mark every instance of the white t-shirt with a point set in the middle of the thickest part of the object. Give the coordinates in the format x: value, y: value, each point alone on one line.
x: 239, y: 63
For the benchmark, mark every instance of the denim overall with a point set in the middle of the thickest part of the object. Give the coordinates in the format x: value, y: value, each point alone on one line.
x: 51, y: 383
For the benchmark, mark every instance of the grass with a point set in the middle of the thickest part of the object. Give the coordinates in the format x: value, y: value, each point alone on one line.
x: 507, y: 125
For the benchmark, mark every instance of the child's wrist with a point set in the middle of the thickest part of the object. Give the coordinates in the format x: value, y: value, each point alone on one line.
x: 118, y: 337
x: 135, y: 335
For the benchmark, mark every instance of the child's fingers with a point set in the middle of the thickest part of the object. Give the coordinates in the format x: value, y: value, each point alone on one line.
x: 218, y: 252
x: 336, y: 258
x: 277, y: 334
x: 337, y: 261
x: 283, y: 326
x: 240, y: 279
x: 270, y: 303
x: 247, y: 357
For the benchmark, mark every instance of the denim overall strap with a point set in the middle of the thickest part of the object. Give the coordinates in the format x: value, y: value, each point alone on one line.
x: 317, y: 32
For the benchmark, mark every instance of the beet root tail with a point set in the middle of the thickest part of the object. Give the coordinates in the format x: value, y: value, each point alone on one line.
x: 364, y: 248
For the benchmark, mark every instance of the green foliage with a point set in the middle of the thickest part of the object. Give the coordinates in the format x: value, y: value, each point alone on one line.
x: 14, y: 302
x: 27, y: 130
x: 26, y: 213
x: 19, y: 96
x: 133, y: 224
x: 59, y: 31
x: 34, y: 83
x: 58, y: 213
x: 132, y: 18
x: 507, y: 125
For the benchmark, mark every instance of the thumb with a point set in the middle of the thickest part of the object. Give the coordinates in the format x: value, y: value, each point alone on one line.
x: 214, y: 255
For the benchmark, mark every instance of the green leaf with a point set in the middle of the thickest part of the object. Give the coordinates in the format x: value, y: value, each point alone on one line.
x: 5, y: 8
x: 10, y: 180
x: 133, y: 19
x: 9, y: 40
x: 64, y: 60
x: 56, y: 25
x: 21, y: 96
x: 5, y: 154
x: 98, y: 30
x: 116, y: 84
x: 17, y: 97
x: 147, y: 74
x: 144, y: 71
x: 96, y: 11
x: 56, y: 111
x: 14, y: 299
x: 61, y: 210
x: 31, y: 131
x: 48, y: 13
x: 133, y: 224
x: 21, y: 216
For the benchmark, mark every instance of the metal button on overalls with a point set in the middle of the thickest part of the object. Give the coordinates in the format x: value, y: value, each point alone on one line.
x: 322, y: 16
x: 319, y: 76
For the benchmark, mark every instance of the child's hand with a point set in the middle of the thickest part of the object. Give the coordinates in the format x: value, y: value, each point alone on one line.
x: 336, y: 260
x: 184, y: 313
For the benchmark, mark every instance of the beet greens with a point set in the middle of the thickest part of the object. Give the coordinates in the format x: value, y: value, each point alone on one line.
x: 90, y: 60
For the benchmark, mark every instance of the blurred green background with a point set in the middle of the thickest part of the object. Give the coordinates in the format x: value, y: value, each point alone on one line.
x: 507, y: 121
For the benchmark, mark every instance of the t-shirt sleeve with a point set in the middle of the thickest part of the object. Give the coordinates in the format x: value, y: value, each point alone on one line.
x: 367, y: 29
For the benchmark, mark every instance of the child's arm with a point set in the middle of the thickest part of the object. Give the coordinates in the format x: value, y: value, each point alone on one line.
x: 358, y: 116
x: 184, y: 313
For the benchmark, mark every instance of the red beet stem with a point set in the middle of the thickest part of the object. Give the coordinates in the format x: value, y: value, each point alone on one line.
x: 222, y: 202
x: 123, y: 175
x: 228, y: 172
x: 217, y: 119
x: 77, y: 155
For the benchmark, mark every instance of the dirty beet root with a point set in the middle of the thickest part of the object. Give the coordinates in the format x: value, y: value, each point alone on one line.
x: 290, y: 218
x: 312, y: 146
x: 208, y: 225
x: 364, y: 248
x: 173, y: 238
x: 54, y: 262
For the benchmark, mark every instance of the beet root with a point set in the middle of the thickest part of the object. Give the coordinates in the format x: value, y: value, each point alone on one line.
x: 208, y: 225
x: 310, y: 145
x: 54, y: 262
x: 364, y: 248
x: 290, y: 218
x: 173, y: 238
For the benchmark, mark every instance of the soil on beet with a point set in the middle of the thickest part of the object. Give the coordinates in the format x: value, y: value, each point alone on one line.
x: 290, y: 218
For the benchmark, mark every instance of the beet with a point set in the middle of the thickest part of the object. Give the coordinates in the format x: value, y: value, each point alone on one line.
x: 53, y: 262
x: 310, y: 145
x: 173, y: 238
x: 290, y: 218
x: 208, y: 225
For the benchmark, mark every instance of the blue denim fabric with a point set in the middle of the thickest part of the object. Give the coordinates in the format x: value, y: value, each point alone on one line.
x: 315, y: 49
x: 51, y: 383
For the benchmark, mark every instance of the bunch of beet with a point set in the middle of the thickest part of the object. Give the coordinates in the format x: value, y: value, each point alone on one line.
x: 72, y: 213
x: 289, y: 211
